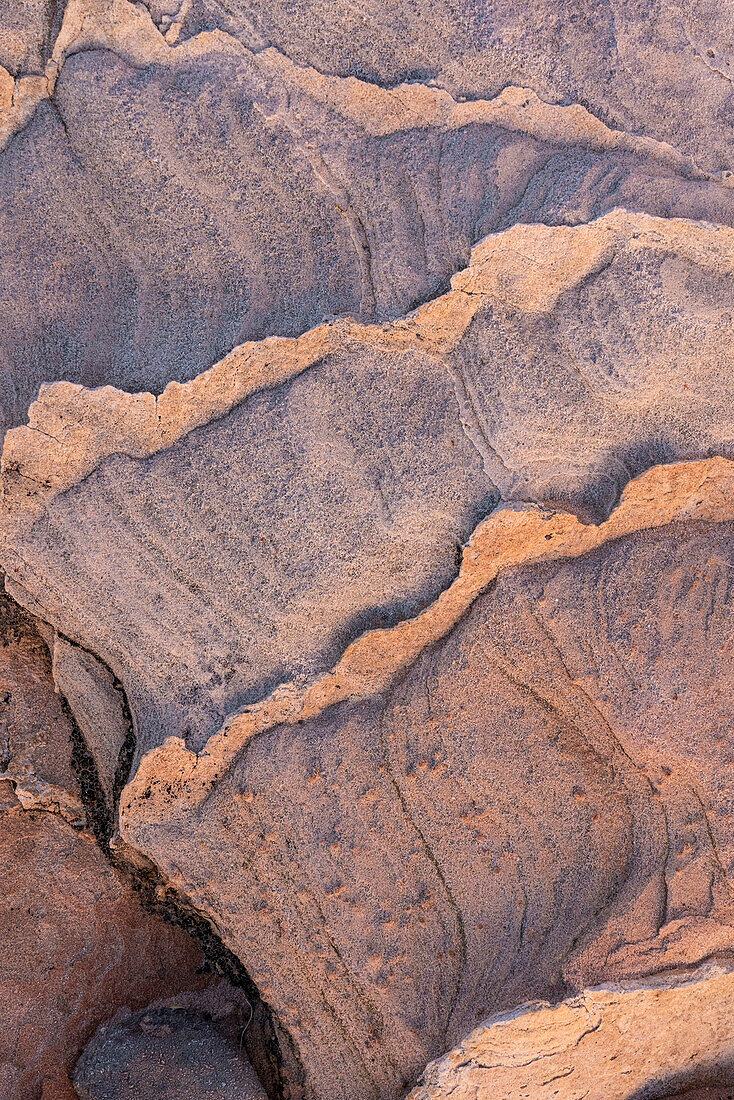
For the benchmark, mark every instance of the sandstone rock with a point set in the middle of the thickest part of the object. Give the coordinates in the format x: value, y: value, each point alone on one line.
x: 75, y: 944
x: 664, y: 1041
x: 254, y: 197
x: 536, y: 803
x: 164, y: 1055
x: 336, y: 514
x: 27, y: 31
x: 336, y: 497
x: 99, y: 708
x: 368, y: 469
x: 37, y: 733
x: 668, y: 76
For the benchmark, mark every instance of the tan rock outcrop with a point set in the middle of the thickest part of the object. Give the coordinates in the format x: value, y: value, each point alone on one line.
x: 105, y: 493
x: 668, y: 76
x: 76, y: 944
x: 37, y: 732
x: 98, y: 705
x: 366, y: 516
x: 327, y: 484
x: 662, y: 1041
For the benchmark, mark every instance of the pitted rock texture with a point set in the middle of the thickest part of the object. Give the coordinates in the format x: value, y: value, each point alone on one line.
x: 168, y: 1054
x: 537, y: 802
x: 346, y: 520
x: 99, y: 708
x: 368, y: 472
x: 28, y: 29
x: 664, y: 1041
x: 338, y: 497
x: 162, y: 201
x: 75, y: 942
x: 668, y: 76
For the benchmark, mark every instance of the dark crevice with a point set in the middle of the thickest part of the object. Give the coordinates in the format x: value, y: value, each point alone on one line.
x: 99, y: 815
x: 269, y: 1048
x: 127, y: 751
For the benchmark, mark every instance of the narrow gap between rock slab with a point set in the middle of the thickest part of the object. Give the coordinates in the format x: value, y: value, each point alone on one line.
x: 267, y: 1046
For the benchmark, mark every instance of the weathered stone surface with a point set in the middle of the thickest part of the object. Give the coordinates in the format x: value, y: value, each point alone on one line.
x: 537, y: 802
x: 663, y: 1041
x: 27, y: 31
x: 37, y: 733
x: 253, y: 197
x: 668, y: 76
x: 408, y: 622
x: 99, y: 708
x: 168, y: 1054
x: 75, y: 943
x: 345, y: 520
x: 337, y: 498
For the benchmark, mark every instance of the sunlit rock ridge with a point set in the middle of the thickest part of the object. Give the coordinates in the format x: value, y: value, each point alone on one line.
x: 366, y: 516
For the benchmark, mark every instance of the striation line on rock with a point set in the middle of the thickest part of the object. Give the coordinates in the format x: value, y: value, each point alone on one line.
x: 71, y: 429
x: 172, y: 776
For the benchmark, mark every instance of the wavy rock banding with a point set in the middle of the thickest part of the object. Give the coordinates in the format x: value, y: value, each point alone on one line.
x: 449, y: 770
x: 352, y: 519
x: 213, y: 151
x: 366, y: 514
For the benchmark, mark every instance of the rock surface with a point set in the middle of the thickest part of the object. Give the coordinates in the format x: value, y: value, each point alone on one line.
x: 664, y: 1041
x: 28, y: 29
x: 337, y: 497
x: 366, y: 515
x: 254, y: 196
x: 37, y: 732
x: 668, y: 76
x: 75, y: 944
x: 100, y: 710
x: 501, y: 810
x: 168, y: 1054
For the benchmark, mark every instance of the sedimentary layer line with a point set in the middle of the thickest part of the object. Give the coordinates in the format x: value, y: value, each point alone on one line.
x: 172, y: 778
x: 71, y: 429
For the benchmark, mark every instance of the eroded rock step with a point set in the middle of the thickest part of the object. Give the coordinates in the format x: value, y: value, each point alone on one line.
x: 537, y: 803
x: 665, y: 1041
x: 264, y: 526
x: 517, y: 785
x: 171, y: 200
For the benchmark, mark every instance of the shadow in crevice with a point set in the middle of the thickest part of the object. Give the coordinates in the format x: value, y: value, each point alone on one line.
x: 269, y: 1047
x: 598, y: 491
x: 699, y: 1082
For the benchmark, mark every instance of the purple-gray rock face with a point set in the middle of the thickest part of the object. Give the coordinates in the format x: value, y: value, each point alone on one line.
x: 366, y: 515
x: 173, y: 196
x: 539, y: 803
